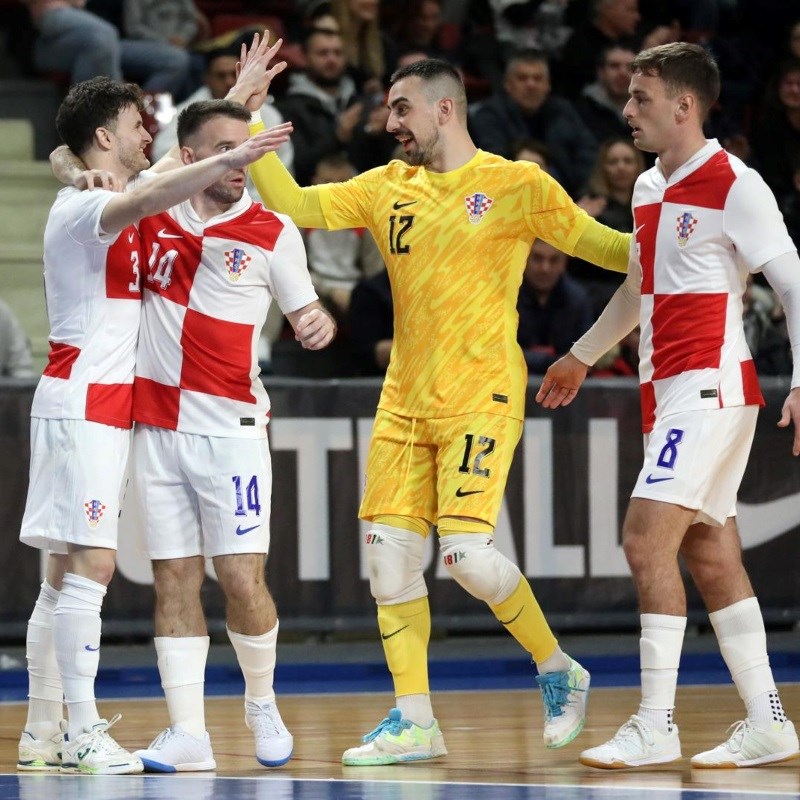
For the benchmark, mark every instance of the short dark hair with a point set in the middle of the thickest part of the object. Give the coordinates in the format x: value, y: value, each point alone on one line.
x: 310, y: 33
x: 93, y: 104
x: 437, y: 74
x: 526, y: 56
x: 682, y: 66
x: 194, y: 116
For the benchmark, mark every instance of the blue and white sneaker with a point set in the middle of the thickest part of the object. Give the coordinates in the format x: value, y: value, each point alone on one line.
x: 177, y: 750
x: 274, y: 743
x: 565, y: 696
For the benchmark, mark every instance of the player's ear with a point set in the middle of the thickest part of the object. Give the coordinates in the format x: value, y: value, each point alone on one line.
x: 187, y: 155
x: 103, y: 138
x: 446, y: 108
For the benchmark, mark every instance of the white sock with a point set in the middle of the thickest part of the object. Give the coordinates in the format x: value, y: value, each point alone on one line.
x: 417, y: 708
x: 45, y: 694
x: 743, y: 644
x: 76, y: 635
x: 257, y: 656
x: 558, y: 662
x: 182, y: 667
x: 765, y: 709
x: 660, y: 654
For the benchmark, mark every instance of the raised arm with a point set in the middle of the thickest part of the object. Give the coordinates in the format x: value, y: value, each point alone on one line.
x: 71, y: 171
x: 174, y: 187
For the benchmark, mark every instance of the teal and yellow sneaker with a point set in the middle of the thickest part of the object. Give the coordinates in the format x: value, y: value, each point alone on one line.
x: 565, y: 695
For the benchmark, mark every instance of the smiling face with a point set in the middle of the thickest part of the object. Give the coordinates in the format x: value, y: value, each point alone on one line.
x: 219, y: 135
x: 413, y: 121
x: 130, y: 140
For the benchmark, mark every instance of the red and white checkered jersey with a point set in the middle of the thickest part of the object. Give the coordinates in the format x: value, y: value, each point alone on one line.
x: 698, y: 235
x: 93, y: 290
x: 207, y: 290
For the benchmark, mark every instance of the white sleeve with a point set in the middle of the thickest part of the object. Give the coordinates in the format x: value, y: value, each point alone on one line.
x: 82, y: 213
x: 754, y: 223
x: 618, y: 319
x: 289, y: 281
x: 783, y: 274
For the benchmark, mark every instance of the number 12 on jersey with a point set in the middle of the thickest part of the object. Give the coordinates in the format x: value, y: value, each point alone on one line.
x: 248, y: 496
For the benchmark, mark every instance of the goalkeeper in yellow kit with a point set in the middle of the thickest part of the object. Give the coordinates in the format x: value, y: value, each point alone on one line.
x: 454, y: 226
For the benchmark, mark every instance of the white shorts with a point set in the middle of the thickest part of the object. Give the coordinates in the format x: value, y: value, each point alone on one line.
x: 201, y: 495
x: 696, y: 459
x: 76, y: 479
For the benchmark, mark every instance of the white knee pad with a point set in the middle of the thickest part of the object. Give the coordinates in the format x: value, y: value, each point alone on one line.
x: 477, y: 566
x: 395, y: 557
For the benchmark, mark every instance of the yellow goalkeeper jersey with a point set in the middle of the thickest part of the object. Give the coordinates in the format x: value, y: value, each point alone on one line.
x: 455, y: 245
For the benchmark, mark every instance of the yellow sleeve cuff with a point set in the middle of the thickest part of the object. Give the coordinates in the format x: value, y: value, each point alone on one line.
x: 604, y: 246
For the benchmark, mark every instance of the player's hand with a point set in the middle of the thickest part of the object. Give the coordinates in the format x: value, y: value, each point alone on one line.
x: 315, y: 329
x: 253, y: 72
x: 264, y: 142
x: 791, y: 413
x: 561, y: 382
x: 98, y: 179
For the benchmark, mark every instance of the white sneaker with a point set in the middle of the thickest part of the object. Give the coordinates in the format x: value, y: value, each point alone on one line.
x: 751, y: 746
x: 635, y: 744
x: 274, y: 743
x: 395, y: 741
x: 565, y: 696
x: 40, y: 755
x: 94, y: 752
x: 176, y: 750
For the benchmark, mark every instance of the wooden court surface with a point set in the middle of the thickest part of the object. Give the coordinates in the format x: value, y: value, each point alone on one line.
x: 492, y: 737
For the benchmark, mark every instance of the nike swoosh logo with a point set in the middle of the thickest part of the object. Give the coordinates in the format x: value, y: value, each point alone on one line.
x: 240, y: 531
x: 164, y: 235
x: 393, y: 633
x: 91, y: 649
x: 509, y: 621
x: 761, y: 522
x: 130, y: 238
x: 461, y: 493
x: 397, y: 206
x: 651, y: 479
x: 638, y: 229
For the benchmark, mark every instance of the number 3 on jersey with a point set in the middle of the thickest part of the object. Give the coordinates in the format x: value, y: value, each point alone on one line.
x: 248, y: 496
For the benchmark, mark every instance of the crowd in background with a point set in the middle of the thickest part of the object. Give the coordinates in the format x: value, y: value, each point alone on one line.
x: 547, y: 81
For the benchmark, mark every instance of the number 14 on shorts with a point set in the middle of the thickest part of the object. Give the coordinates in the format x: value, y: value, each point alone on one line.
x: 247, y: 498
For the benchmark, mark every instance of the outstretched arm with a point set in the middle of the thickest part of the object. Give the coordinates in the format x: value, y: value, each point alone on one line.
x: 174, y: 187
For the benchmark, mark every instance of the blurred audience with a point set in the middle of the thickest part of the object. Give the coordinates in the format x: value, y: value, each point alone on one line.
x: 601, y: 103
x: 365, y: 45
x: 371, y: 320
x: 776, y: 137
x: 73, y: 40
x: 15, y: 349
x: 526, y: 109
x: 607, y: 198
x: 765, y: 331
x: 554, y: 309
x: 322, y: 104
x: 621, y: 361
x: 531, y: 150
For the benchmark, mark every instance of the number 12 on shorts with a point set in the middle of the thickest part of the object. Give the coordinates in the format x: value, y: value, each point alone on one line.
x: 248, y: 497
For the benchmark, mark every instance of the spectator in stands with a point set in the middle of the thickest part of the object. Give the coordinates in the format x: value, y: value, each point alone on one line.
x: 609, y: 22
x: 15, y: 349
x: 421, y: 28
x: 322, y: 104
x: 776, y: 137
x: 607, y: 197
x: 364, y: 45
x: 600, y: 104
x: 531, y: 150
x: 530, y: 24
x: 790, y: 204
x: 554, y: 309
x: 218, y: 79
x: 338, y: 259
x: 527, y: 109
x: 371, y: 321
x: 76, y: 41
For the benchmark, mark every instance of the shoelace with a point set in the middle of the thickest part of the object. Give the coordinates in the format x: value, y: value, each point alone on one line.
x: 161, y: 739
x: 391, y: 725
x: 736, y: 739
x: 98, y: 740
x: 555, y: 692
x: 263, y: 719
x: 634, y: 728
